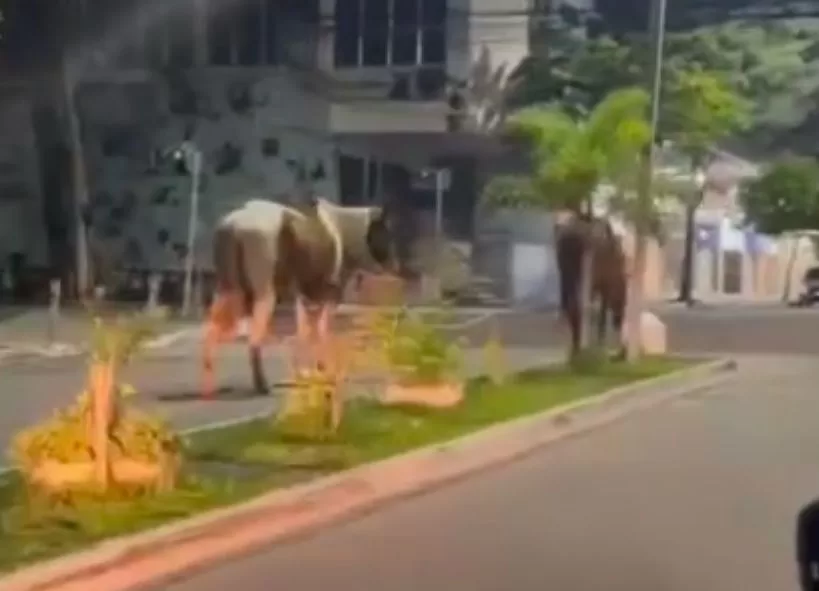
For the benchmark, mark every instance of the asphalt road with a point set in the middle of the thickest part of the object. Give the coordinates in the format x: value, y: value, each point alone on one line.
x: 169, y: 386
x: 715, y: 329
x: 31, y: 390
x: 700, y: 494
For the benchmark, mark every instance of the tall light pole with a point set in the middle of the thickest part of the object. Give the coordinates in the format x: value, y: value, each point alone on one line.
x: 442, y: 182
x: 644, y: 196
x: 190, y: 154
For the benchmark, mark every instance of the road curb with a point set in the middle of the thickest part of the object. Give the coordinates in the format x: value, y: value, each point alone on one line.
x: 149, y: 559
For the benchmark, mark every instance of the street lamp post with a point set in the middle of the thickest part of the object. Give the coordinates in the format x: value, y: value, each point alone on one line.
x: 442, y: 181
x: 644, y: 196
x: 191, y: 156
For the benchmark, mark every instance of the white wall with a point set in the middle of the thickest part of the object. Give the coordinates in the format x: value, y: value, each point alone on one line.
x: 499, y: 27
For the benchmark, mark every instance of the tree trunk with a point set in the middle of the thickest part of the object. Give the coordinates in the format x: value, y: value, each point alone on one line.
x: 101, y: 385
x: 79, y: 182
x: 636, y: 295
x: 687, y: 269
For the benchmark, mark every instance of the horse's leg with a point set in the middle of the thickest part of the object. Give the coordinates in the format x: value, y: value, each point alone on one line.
x: 260, y: 293
x: 302, y: 320
x: 324, y: 324
x: 617, y: 319
x: 263, y: 308
x: 572, y: 314
x: 220, y: 326
x: 602, y: 322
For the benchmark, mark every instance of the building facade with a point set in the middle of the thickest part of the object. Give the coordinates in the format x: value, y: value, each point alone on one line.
x: 346, y: 99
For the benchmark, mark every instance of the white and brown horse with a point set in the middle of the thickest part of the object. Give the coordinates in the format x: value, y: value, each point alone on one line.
x: 265, y: 251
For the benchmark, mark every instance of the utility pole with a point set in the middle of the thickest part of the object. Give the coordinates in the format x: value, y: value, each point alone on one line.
x: 644, y: 195
x: 192, y: 157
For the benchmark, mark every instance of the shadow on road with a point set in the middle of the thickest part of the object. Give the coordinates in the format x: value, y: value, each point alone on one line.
x: 226, y: 393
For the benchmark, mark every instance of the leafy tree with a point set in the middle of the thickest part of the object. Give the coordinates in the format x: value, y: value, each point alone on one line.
x: 702, y: 109
x: 577, y: 78
x: 778, y: 74
x: 784, y: 199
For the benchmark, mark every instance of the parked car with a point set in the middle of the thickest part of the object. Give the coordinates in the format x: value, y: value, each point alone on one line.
x: 810, y: 283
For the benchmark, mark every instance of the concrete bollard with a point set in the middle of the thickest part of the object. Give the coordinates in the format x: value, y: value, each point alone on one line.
x: 153, y: 307
x: 653, y: 335
x: 99, y: 293
x: 154, y: 289
x: 54, y: 303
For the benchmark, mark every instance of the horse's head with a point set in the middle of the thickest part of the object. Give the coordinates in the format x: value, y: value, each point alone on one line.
x: 368, y: 235
x: 383, y: 239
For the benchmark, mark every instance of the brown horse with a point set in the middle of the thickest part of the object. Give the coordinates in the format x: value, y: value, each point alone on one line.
x: 265, y: 251
x: 574, y: 236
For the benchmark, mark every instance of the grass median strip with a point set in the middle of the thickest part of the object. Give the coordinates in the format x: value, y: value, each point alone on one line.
x: 236, y: 463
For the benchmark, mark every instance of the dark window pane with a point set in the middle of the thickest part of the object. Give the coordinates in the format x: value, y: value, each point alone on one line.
x: 219, y: 34
x: 271, y: 43
x: 133, y: 50
x: 374, y: 38
x: 4, y: 32
x: 433, y: 12
x: 372, y: 181
x: 348, y: 31
x: 350, y: 180
x: 304, y: 11
x: 405, y: 32
x: 181, y: 41
x: 155, y: 42
x: 433, y: 45
x: 298, y: 30
x: 249, y: 32
x: 433, y: 38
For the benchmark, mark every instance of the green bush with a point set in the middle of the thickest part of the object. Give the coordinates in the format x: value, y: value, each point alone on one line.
x: 420, y: 352
x: 307, y: 412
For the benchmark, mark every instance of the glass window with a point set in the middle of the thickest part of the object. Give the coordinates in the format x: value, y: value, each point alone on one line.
x: 433, y: 40
x: 372, y: 181
x: 350, y: 180
x: 181, y: 36
x: 348, y: 32
x: 249, y: 32
x: 271, y: 24
x: 156, y: 40
x: 219, y: 35
x: 131, y: 52
x: 375, y: 19
x: 405, y: 32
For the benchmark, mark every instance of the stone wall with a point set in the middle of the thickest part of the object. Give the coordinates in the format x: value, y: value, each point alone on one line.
x: 21, y: 216
x: 260, y: 137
